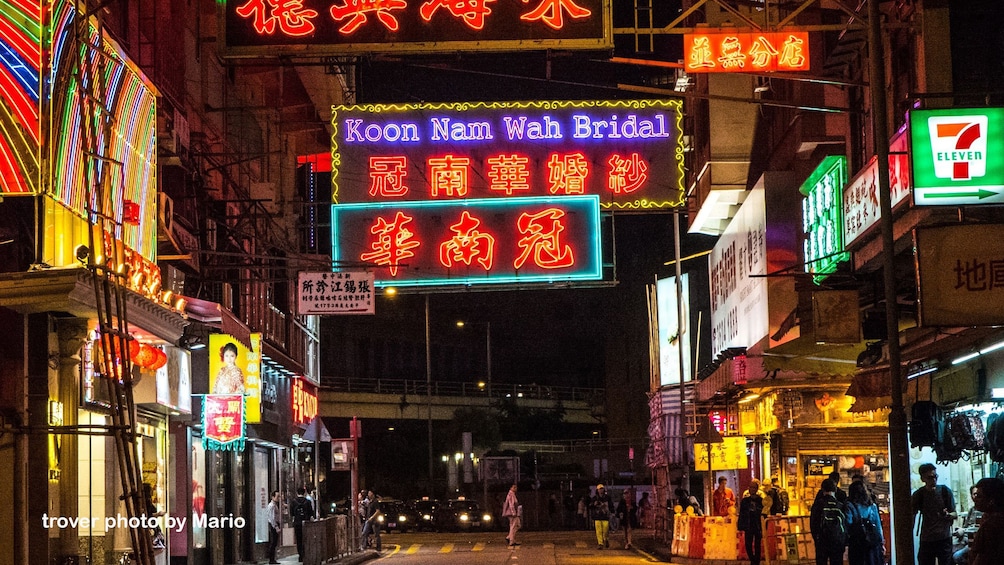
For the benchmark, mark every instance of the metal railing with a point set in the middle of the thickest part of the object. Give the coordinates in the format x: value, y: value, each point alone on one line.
x: 465, y: 389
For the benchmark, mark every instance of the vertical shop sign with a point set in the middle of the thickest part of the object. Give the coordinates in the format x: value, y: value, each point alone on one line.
x: 223, y: 422
x: 235, y: 368
x: 822, y: 217
x: 304, y: 402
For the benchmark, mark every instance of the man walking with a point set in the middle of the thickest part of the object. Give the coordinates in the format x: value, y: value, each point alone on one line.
x: 274, y: 528
x: 748, y: 521
x: 372, y: 523
x: 936, y: 505
x: 302, y: 510
x: 828, y: 526
x: 511, y: 510
x: 601, y: 509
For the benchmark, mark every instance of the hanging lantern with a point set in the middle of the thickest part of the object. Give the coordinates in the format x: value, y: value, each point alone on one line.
x: 146, y: 356
x: 133, y: 349
x: 161, y: 359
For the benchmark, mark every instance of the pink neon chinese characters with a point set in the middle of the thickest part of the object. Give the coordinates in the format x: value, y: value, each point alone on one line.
x: 393, y: 242
x: 289, y: 16
x: 387, y: 176
x: 508, y: 173
x: 448, y: 175
x: 552, y: 12
x: 541, y: 239
x: 356, y: 11
x: 472, y: 12
x: 626, y: 174
x: 469, y: 244
x: 566, y: 174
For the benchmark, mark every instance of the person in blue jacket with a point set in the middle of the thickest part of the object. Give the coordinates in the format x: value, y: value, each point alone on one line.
x: 865, y: 542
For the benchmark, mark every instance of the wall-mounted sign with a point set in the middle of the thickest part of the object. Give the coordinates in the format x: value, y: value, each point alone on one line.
x: 739, y: 298
x: 861, y: 195
x: 314, y: 27
x: 628, y: 152
x: 672, y: 338
x: 174, y: 382
x: 960, y: 271
x: 957, y: 156
x: 746, y: 52
x: 487, y: 241
x: 727, y: 455
x: 304, y: 402
x: 343, y: 292
x: 822, y: 217
x: 234, y: 368
x: 223, y: 422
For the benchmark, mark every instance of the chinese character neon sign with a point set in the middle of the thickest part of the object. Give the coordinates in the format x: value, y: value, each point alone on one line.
x: 629, y: 153
x: 271, y: 27
x: 746, y: 52
x: 823, y: 218
x: 304, y: 402
x: 486, y: 241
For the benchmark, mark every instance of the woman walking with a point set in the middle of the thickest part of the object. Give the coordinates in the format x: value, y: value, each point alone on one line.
x: 627, y: 513
x: 865, y: 542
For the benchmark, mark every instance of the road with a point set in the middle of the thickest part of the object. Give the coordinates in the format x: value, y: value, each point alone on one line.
x: 536, y: 548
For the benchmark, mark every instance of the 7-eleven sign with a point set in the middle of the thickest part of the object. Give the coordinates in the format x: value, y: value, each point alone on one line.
x: 957, y: 156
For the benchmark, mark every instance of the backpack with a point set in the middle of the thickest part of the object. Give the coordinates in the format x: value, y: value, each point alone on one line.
x: 780, y: 501
x: 748, y: 517
x: 926, y: 423
x: 864, y: 530
x: 832, y: 534
x: 299, y: 510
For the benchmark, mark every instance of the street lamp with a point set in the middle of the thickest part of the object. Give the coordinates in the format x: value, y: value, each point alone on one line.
x: 488, y: 353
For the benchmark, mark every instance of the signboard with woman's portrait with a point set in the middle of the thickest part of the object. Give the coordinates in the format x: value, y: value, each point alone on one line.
x: 235, y: 368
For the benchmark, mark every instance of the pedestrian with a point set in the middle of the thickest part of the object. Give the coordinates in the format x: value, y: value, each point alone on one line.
x: 779, y: 498
x: 687, y: 500
x: 362, y: 510
x: 748, y: 521
x: 601, y: 507
x: 988, y: 543
x: 723, y: 498
x: 274, y: 527
x: 372, y: 524
x: 936, y: 505
x: 865, y: 542
x: 828, y: 526
x: 582, y: 510
x: 301, y: 510
x: 553, y: 511
x: 859, y: 478
x: 510, y: 510
x: 768, y: 493
x: 645, y: 511
x: 627, y: 515
x: 964, y: 533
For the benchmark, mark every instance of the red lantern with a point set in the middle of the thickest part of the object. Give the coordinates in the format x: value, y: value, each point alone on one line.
x: 146, y: 356
x: 133, y: 349
x: 161, y: 359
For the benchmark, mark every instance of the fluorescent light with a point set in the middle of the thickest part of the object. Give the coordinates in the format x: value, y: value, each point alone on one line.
x: 984, y: 351
x: 965, y: 358
x: 993, y: 347
x: 997, y: 393
x: 749, y: 398
x: 923, y: 372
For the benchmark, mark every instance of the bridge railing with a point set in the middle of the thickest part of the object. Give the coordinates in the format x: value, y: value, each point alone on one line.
x: 453, y: 388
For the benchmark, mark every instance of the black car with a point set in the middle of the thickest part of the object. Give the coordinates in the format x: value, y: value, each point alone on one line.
x: 425, y: 513
x: 396, y: 515
x: 463, y: 515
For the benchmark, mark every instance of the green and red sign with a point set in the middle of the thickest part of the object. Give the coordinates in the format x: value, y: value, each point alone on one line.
x: 823, y: 218
x: 223, y: 422
x: 957, y: 156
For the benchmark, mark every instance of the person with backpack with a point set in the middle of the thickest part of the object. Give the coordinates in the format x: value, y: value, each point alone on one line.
x: 936, y: 505
x: 865, y: 542
x: 748, y: 521
x: 779, y: 498
x: 301, y: 510
x: 828, y: 526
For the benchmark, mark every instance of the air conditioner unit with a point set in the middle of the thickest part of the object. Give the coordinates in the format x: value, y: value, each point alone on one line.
x: 165, y: 211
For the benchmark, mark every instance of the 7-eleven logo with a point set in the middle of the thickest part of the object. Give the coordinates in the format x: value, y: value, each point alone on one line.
x: 959, y: 146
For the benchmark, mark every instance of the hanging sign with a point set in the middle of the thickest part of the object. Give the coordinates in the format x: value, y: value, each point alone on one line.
x: 223, y: 422
x: 304, y: 402
x: 861, y: 195
x: 318, y: 27
x: 728, y: 455
x: 822, y: 217
x: 746, y: 52
x: 235, y: 368
x: 957, y: 156
x: 960, y: 271
x: 343, y: 292
x: 627, y: 152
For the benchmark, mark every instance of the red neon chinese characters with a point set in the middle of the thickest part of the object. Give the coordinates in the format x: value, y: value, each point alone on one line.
x: 387, y: 176
x: 732, y: 56
x: 552, y: 12
x: 762, y: 52
x: 792, y: 53
x: 508, y: 173
x: 566, y: 174
x: 356, y: 10
x: 469, y: 244
x: 541, y: 238
x: 393, y: 242
x: 289, y: 16
x: 473, y: 12
x: 449, y: 174
x: 700, y: 54
x: 626, y: 175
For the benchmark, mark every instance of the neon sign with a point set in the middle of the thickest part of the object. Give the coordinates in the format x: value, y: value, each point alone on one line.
x: 20, y: 94
x: 270, y: 27
x: 956, y: 156
x: 304, y: 402
x: 629, y: 153
x: 823, y: 218
x: 746, y: 52
x: 486, y: 241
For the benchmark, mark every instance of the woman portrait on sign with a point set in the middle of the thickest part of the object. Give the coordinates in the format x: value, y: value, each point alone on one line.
x: 230, y: 379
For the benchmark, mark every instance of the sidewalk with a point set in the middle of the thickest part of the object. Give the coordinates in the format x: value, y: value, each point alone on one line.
x: 354, y: 559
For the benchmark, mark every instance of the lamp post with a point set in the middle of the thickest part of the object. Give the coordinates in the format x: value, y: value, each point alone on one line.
x: 428, y: 392
x: 488, y: 352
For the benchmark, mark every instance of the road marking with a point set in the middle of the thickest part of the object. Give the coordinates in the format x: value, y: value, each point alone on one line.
x: 548, y: 545
x: 446, y: 548
x: 413, y: 549
x: 480, y: 546
x: 580, y: 545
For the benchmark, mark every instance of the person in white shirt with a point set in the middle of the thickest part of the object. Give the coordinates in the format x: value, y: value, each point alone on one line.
x: 274, y: 527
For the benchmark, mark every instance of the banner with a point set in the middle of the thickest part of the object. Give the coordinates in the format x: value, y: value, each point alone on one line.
x: 223, y: 422
x: 235, y: 368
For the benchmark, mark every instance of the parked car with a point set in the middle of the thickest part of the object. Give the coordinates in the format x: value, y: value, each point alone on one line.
x: 463, y: 515
x: 425, y: 511
x: 397, y: 515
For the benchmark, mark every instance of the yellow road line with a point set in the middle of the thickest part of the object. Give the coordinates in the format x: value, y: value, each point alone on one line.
x: 446, y: 548
x: 413, y: 549
x: 480, y: 546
